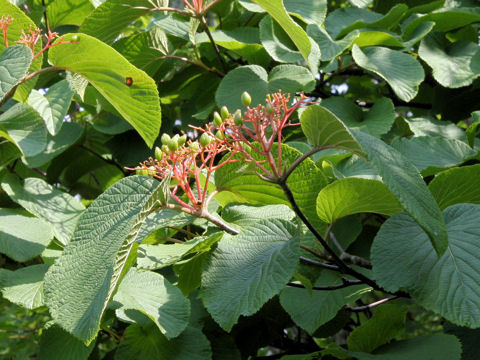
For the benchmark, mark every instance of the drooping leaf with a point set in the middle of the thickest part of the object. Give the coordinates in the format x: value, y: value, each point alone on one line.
x: 255, y: 80
x: 52, y: 106
x: 248, y: 269
x: 14, y: 64
x: 67, y: 136
x: 57, y: 344
x: 329, y: 47
x: 310, y: 310
x: 456, y: 186
x: 277, y: 11
x: 149, y: 343
x: 24, y: 127
x: 447, y: 285
x: 151, y: 294
x: 387, y: 322
x: 59, y: 209
x: 354, y: 195
x: 109, y: 19
x: 24, y: 286
x: 432, y: 154
x: 438, y: 347
x: 401, y: 71
x: 454, y: 65
x: 23, y: 237
x: 97, y: 255
x: 138, y: 102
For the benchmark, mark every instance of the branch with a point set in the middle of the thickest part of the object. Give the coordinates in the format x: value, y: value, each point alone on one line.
x: 319, y: 264
x: 214, y: 44
x: 345, y: 283
x: 372, y: 305
x: 199, y: 64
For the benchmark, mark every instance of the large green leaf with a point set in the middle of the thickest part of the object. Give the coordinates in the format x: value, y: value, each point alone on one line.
x: 277, y: 10
x: 280, y: 47
x: 108, y: 20
x: 52, y: 106
x: 403, y: 258
x: 71, y: 12
x: 354, y: 195
x: 432, y: 154
x: 245, y: 215
x: 255, y: 80
x: 387, y: 322
x: 67, y: 136
x: 137, y: 103
x: 57, y: 344
x: 24, y: 286
x: 151, y: 294
x: 401, y: 71
x: 23, y: 237
x: 329, y: 47
x: 21, y: 22
x: 438, y: 347
x: 149, y: 343
x: 14, y: 64
x: 248, y: 269
x: 24, y: 127
x: 8, y: 153
x: 468, y: 338
x: 59, y: 209
x: 311, y: 309
x: 427, y: 126
x: 454, y: 65
x: 456, y: 186
x: 80, y: 284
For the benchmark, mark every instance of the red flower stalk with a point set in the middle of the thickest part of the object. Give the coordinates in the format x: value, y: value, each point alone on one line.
x: 35, y: 35
x: 196, y: 7
x: 5, y: 22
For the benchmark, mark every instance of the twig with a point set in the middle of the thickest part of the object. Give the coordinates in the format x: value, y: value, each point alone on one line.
x: 345, y: 283
x: 45, y: 18
x: 93, y: 152
x: 319, y: 264
x: 212, y: 41
x: 372, y: 305
x: 196, y: 63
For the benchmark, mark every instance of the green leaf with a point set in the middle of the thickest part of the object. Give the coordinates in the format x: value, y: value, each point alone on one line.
x: 255, y: 80
x: 238, y: 185
x: 277, y: 11
x: 8, y: 153
x: 14, y: 64
x: 161, y: 219
x: 438, y: 347
x: 24, y: 127
x: 432, y: 154
x: 387, y: 322
x: 354, y: 195
x: 404, y: 181
x: 265, y: 254
x: 468, y: 338
x: 57, y: 344
x: 151, y: 294
x: 453, y: 65
x: 59, y: 209
x: 71, y: 12
x: 456, y: 186
x: 427, y: 126
x: 312, y: 310
x: 329, y: 47
x: 323, y: 128
x: 159, y: 256
x: 138, y: 103
x: 401, y: 71
x: 97, y: 255
x: 148, y: 343
x: 108, y: 20
x: 355, y: 166
x: 52, y: 106
x: 403, y: 258
x: 22, y: 237
x: 377, y: 121
x: 343, y: 21
x: 471, y: 131
x: 24, y: 286
x: 67, y: 136
x: 280, y: 47
x: 245, y: 215
x: 77, y: 83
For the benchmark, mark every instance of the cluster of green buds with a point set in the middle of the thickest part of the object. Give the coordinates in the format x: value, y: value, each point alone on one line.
x: 228, y: 134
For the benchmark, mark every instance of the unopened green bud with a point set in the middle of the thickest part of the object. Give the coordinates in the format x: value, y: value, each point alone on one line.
x: 217, y: 119
x: 182, y: 139
x: 246, y: 98
x: 269, y: 108
x: 194, y: 146
x: 205, y: 139
x: 219, y: 135
x: 158, y: 153
x: 143, y: 172
x: 238, y: 119
x: 165, y: 149
x: 224, y: 112
x: 151, y: 171
x: 173, y: 144
x: 165, y: 139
